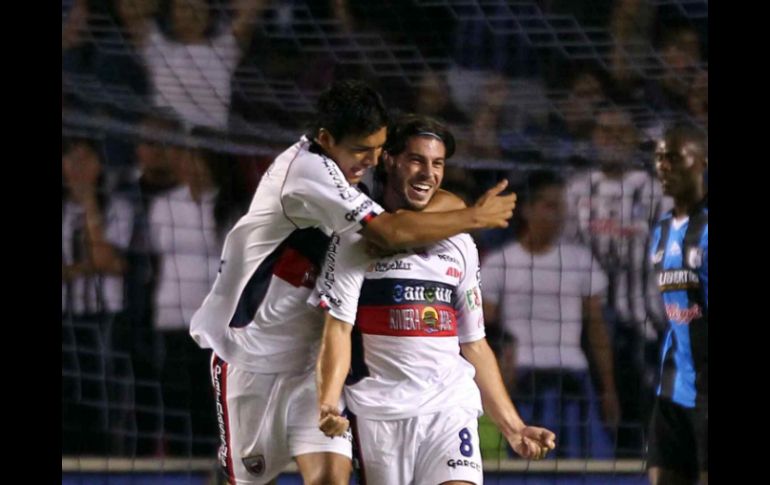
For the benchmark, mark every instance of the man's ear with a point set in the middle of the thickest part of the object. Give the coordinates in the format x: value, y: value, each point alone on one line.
x: 325, y: 139
x: 388, y: 160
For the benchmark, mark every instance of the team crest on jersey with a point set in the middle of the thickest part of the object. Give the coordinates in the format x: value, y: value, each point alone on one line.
x: 254, y: 464
x: 694, y: 257
x: 675, y: 249
x: 657, y: 257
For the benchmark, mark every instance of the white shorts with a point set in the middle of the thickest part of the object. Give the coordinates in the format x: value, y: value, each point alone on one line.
x: 428, y: 450
x: 265, y: 420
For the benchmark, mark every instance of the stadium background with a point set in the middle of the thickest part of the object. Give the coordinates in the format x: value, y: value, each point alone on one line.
x: 520, y: 82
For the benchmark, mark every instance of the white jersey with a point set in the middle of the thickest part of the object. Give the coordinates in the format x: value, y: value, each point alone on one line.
x: 183, y: 233
x: 193, y: 79
x: 614, y: 217
x: 255, y: 316
x: 412, y: 310
x: 540, y: 297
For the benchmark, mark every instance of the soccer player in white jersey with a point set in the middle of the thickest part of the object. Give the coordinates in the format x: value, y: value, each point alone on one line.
x: 255, y: 318
x: 411, y: 393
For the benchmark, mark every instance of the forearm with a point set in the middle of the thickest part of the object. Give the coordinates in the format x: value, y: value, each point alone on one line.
x: 494, y: 396
x: 247, y: 13
x: 443, y: 201
x: 333, y: 361
x: 408, y: 228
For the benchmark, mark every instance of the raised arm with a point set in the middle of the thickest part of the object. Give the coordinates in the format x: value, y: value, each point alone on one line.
x: 444, y: 201
x: 245, y: 18
x: 408, y: 228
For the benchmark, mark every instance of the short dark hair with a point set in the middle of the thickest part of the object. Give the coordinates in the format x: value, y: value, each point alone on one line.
x: 350, y: 107
x: 681, y: 133
x: 409, y: 125
x: 537, y: 180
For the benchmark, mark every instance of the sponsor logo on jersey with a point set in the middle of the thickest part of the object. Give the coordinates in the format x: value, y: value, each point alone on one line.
x: 352, y: 215
x: 454, y: 272
x: 678, y: 279
x: 675, y: 249
x: 398, y: 265
x: 331, y: 261
x: 613, y: 228
x: 427, y: 319
x: 421, y: 293
x: 329, y: 300
x: 469, y: 463
x: 254, y: 464
x: 695, y: 257
x: 473, y: 298
x: 430, y: 318
x: 683, y: 316
x: 223, y: 449
x: 447, y: 258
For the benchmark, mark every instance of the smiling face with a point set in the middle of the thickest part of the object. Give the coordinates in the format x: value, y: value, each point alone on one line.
x: 415, y: 174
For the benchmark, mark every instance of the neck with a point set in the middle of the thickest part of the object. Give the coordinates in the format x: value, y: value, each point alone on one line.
x: 613, y: 171
x: 684, y: 203
x: 536, y: 244
x: 391, y: 201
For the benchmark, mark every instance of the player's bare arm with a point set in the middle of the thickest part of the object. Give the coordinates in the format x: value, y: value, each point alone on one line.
x: 529, y: 442
x: 408, y: 228
x: 332, y: 368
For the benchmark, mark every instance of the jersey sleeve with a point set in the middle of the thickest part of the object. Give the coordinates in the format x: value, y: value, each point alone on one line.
x: 470, y: 315
x: 339, y: 284
x: 316, y: 193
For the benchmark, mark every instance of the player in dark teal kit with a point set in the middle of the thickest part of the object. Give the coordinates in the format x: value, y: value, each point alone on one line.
x: 678, y: 442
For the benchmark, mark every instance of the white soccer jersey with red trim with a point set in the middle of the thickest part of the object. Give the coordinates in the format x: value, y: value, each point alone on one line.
x: 256, y: 316
x: 412, y: 311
